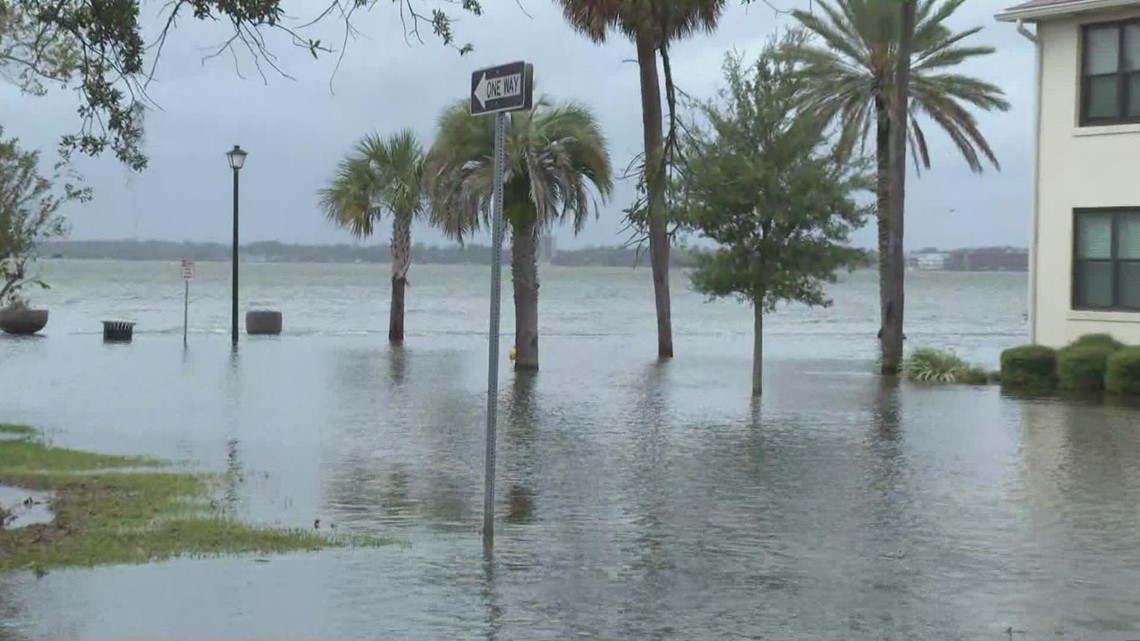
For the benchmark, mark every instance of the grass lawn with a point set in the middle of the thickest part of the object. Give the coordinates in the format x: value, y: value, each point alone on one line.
x: 126, y: 509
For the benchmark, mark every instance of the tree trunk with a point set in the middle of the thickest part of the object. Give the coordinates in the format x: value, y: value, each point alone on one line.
x: 401, y: 261
x: 655, y: 186
x: 524, y: 276
x: 893, y: 326
x: 883, y: 214
x: 757, y: 349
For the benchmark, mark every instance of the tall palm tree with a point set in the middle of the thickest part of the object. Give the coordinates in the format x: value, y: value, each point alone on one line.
x: 853, y: 87
x: 381, y: 174
x: 651, y: 25
x: 554, y: 154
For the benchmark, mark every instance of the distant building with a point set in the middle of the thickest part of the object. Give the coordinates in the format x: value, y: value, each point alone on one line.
x: 988, y: 259
x: 928, y: 261
x: 1084, y: 274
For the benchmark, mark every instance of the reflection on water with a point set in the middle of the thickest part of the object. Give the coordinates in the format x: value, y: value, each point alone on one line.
x: 636, y: 499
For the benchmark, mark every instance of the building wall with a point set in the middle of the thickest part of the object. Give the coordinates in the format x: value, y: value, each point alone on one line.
x: 1079, y: 167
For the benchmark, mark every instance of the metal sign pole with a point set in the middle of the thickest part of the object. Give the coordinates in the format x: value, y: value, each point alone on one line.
x: 493, y: 336
x: 185, y: 312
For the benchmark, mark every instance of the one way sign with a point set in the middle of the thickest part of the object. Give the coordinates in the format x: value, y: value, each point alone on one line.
x: 508, y: 87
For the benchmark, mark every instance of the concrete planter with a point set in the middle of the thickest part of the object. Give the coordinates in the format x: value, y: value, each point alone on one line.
x: 22, y: 321
x: 263, y: 322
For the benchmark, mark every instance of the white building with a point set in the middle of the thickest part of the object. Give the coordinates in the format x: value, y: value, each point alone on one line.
x: 929, y: 261
x: 1084, y: 263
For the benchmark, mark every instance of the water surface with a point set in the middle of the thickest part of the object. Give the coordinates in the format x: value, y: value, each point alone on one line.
x: 635, y: 499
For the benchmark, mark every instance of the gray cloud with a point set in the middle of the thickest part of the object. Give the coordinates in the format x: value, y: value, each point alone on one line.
x: 296, y: 130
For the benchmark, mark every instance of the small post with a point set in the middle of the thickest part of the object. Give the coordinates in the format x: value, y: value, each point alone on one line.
x: 493, y: 334
x: 185, y: 314
x: 187, y: 276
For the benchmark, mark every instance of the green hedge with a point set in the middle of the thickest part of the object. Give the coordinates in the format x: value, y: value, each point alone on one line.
x: 1097, y: 340
x: 1122, y: 372
x: 1081, y: 368
x: 1029, y: 367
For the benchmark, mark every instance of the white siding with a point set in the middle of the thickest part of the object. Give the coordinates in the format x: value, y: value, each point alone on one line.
x: 1079, y: 167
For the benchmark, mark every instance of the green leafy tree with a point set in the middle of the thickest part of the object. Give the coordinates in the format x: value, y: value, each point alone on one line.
x: 98, y: 48
x: 381, y: 174
x: 852, y: 72
x: 651, y: 25
x: 761, y: 180
x: 556, y: 156
x: 29, y: 215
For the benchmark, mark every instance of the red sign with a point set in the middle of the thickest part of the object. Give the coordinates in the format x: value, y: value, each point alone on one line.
x: 187, y: 269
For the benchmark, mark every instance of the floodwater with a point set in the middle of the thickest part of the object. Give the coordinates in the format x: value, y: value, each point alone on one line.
x: 636, y: 500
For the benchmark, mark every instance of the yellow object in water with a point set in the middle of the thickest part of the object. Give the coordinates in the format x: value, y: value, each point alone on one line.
x: 512, y: 353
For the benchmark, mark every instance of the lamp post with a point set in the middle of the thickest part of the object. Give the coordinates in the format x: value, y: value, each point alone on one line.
x: 236, y: 156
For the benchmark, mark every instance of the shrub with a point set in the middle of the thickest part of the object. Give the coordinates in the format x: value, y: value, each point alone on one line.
x: 929, y: 365
x: 974, y: 376
x: 1097, y: 340
x: 1029, y: 367
x: 1122, y: 371
x: 1081, y: 368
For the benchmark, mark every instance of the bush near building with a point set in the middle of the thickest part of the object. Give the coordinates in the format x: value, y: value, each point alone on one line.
x: 1122, y: 371
x: 1029, y: 368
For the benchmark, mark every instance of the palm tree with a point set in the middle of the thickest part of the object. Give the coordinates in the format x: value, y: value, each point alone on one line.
x: 853, y: 86
x: 381, y: 174
x: 651, y: 25
x: 554, y: 154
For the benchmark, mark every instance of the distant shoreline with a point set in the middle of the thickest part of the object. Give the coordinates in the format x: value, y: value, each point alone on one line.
x: 1009, y: 259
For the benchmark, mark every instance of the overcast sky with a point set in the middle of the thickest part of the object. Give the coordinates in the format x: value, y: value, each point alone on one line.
x: 296, y: 130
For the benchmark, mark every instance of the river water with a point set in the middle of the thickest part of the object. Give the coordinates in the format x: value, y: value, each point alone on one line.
x: 636, y: 500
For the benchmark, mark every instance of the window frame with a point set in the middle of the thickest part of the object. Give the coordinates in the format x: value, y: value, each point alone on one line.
x: 1114, y: 260
x: 1122, y: 76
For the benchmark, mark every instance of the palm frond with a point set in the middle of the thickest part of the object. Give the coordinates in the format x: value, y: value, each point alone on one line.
x: 381, y: 173
x: 853, y: 72
x: 556, y: 158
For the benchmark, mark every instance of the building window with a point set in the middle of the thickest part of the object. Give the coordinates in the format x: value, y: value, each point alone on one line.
x: 1106, y: 261
x: 1110, y: 73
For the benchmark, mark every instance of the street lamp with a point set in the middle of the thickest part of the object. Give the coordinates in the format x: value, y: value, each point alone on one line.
x: 236, y: 156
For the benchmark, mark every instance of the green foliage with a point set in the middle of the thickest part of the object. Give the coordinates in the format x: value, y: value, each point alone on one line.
x: 1105, y: 340
x: 1082, y: 368
x: 759, y: 178
x: 115, y: 516
x: 974, y: 375
x: 29, y: 214
x: 929, y: 365
x: 1122, y: 374
x: 554, y: 154
x: 12, y: 429
x: 851, y: 78
x: 381, y: 174
x: 97, y: 47
x: 1029, y: 367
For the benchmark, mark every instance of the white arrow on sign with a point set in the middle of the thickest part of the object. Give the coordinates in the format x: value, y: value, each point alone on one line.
x: 496, y: 88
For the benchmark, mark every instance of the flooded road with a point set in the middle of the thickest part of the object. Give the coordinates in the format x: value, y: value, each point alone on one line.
x: 635, y: 500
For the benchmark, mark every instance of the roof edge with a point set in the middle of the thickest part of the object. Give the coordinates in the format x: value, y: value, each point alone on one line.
x: 1068, y: 8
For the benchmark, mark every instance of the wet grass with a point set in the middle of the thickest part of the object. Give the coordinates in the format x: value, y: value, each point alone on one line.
x: 106, y: 515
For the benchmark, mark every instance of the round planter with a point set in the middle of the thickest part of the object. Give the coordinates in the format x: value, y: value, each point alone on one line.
x: 22, y: 321
x: 263, y: 322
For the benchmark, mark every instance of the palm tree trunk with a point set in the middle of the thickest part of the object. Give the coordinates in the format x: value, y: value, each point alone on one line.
x: 893, y: 326
x: 883, y: 217
x: 524, y: 276
x: 401, y: 261
x: 757, y: 349
x: 655, y: 186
